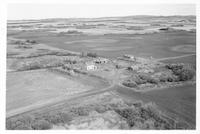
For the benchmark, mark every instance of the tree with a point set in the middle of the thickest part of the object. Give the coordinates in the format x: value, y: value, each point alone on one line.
x: 41, y: 125
x: 94, y: 55
x: 182, y: 71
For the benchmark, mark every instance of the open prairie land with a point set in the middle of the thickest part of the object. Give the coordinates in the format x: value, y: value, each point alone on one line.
x: 30, y: 89
x: 135, y: 72
x: 112, y: 46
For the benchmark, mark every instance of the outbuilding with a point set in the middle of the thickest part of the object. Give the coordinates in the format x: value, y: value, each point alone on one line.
x: 129, y: 56
x: 101, y: 60
x: 90, y: 66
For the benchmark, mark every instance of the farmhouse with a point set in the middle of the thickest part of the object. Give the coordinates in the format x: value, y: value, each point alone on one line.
x: 91, y: 66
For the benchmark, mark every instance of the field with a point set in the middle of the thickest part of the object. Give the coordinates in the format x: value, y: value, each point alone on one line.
x: 75, y: 73
x: 102, y: 111
x: 178, y: 102
x: 189, y: 59
x: 33, y: 88
x: 116, y: 45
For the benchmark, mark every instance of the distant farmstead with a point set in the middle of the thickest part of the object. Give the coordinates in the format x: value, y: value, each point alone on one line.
x: 91, y: 66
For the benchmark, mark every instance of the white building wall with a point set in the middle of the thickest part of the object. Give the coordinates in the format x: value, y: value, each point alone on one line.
x: 91, y: 67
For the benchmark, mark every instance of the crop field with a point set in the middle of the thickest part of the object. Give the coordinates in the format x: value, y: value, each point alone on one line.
x: 116, y: 45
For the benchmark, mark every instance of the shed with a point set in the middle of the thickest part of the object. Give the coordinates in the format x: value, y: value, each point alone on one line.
x: 91, y: 66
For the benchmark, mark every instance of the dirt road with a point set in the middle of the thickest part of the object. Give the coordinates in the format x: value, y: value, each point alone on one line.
x: 176, y: 57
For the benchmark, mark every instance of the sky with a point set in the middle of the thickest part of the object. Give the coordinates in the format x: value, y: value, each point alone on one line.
x: 41, y: 11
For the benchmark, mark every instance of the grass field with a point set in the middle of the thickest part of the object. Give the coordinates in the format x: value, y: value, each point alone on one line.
x: 189, y: 59
x: 32, y: 87
x: 178, y: 102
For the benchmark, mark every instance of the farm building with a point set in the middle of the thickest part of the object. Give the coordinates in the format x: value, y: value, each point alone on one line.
x: 91, y: 66
x: 133, y: 68
x: 129, y: 56
x: 101, y: 60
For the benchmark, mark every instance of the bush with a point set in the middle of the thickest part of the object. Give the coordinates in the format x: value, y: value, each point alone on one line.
x: 19, y: 123
x: 184, y: 72
x: 70, y: 61
x: 164, y: 29
x: 139, y: 81
x: 17, y: 42
x: 72, y: 32
x: 142, y: 79
x: 174, y: 66
x: 38, y: 122
x: 153, y: 81
x: 23, y: 127
x: 118, y: 66
x: 94, y: 55
x: 66, y: 118
x: 41, y: 125
x: 163, y: 78
x: 83, y: 54
x: 39, y: 63
x: 130, y: 68
x: 149, y: 110
x: 100, y: 108
x: 146, y: 117
x: 31, y: 41
x: 81, y: 111
x: 148, y: 79
x: 130, y: 84
x: 168, y: 77
x: 130, y: 114
x: 31, y: 67
x: 134, y: 104
x: 55, y: 119
x: 24, y: 46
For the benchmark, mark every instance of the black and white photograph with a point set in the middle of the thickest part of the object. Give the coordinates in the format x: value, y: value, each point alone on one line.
x: 101, y: 66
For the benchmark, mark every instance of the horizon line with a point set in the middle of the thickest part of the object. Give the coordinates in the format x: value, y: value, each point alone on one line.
x: 98, y: 17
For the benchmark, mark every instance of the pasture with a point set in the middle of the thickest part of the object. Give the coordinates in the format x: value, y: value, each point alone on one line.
x: 29, y: 88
